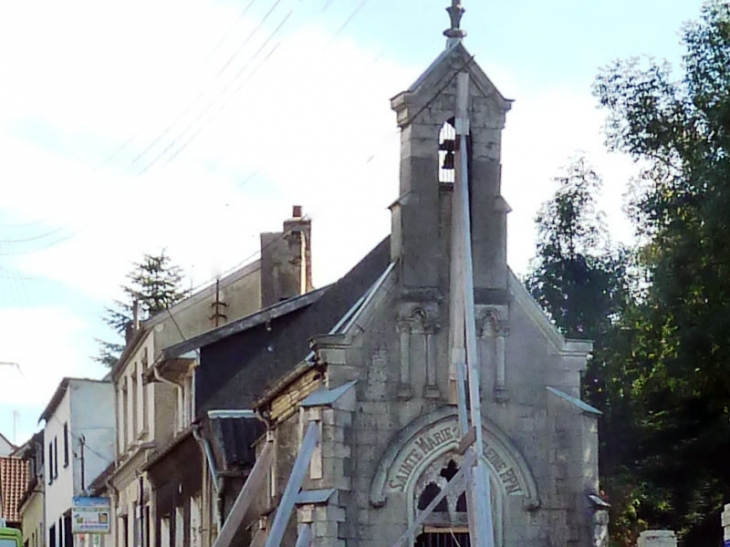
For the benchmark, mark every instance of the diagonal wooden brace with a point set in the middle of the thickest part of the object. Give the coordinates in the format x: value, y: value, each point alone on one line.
x: 250, y: 488
x: 298, y: 472
x: 457, y: 483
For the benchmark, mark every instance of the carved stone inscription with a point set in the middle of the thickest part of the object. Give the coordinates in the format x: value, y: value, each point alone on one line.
x: 425, y: 443
x: 446, y: 436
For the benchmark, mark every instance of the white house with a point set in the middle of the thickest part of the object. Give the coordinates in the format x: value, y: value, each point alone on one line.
x: 79, y: 445
x: 6, y: 447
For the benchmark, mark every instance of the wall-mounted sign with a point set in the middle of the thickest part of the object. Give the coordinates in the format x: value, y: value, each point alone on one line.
x: 91, y: 516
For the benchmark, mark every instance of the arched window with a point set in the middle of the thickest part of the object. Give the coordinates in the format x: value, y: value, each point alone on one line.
x: 447, y: 152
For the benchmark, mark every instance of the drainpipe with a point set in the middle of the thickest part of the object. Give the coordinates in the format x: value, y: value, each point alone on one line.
x: 115, y: 507
x: 159, y: 378
x: 177, y: 387
x: 217, y: 481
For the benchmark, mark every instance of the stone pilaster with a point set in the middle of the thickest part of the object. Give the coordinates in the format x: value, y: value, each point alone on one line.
x: 417, y: 326
x: 493, y: 331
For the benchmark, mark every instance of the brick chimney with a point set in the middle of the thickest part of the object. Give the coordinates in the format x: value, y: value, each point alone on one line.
x: 286, y: 260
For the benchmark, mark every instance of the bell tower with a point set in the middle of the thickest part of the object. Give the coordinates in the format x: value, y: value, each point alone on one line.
x: 422, y: 214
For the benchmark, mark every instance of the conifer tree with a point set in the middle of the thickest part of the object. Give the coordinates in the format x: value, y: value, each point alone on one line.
x: 154, y: 284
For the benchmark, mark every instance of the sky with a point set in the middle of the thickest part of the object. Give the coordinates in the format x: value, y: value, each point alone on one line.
x: 129, y: 126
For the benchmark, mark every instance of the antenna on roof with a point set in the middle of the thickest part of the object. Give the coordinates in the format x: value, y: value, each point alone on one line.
x: 455, y: 33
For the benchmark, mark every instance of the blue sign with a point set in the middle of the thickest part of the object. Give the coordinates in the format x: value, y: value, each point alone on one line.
x: 91, y: 515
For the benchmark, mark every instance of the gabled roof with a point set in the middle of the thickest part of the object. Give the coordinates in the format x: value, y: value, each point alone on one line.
x: 248, y: 363
x: 60, y: 392
x: 267, y: 314
x: 441, y: 73
x: 3, y: 438
x: 13, y: 481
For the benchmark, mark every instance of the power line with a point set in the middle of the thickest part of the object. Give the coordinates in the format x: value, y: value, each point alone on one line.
x: 201, y: 93
x: 228, y: 32
x: 211, y: 104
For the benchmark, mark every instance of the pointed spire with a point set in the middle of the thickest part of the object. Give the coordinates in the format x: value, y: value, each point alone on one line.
x: 456, y: 11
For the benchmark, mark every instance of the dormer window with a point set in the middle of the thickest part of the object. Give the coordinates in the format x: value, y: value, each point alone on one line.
x: 447, y: 152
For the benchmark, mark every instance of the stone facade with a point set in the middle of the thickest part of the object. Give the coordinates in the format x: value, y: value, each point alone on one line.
x: 389, y: 442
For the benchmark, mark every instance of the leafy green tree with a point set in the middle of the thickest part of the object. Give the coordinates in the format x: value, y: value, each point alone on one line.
x: 583, y: 283
x: 154, y: 284
x: 678, y: 129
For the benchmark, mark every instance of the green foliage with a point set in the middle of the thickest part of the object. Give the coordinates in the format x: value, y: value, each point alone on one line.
x: 576, y: 276
x: 154, y: 284
x: 679, y: 131
x: 583, y: 283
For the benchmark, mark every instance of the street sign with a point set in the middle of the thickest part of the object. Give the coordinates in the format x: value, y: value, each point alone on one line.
x: 91, y: 516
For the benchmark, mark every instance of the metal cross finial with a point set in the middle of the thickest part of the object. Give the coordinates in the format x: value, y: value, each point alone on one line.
x: 456, y: 11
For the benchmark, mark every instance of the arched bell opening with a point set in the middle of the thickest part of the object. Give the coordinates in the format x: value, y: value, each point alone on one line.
x: 447, y: 152
x: 448, y: 147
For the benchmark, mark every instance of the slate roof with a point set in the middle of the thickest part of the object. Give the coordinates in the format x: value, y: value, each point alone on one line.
x: 13, y: 482
x: 235, y: 438
x: 236, y: 370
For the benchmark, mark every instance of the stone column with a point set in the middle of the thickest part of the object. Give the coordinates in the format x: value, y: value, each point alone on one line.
x: 431, y: 391
x: 500, y: 342
x: 493, y: 334
x: 657, y: 538
x: 726, y: 524
x: 405, y: 391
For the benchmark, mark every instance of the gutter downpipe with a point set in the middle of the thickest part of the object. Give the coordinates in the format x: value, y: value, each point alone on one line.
x: 217, y: 481
x: 177, y: 387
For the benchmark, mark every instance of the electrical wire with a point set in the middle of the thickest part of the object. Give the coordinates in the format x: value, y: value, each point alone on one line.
x: 212, y: 103
x: 201, y: 93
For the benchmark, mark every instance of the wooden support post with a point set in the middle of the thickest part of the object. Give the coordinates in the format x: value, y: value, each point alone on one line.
x: 480, y: 511
x: 251, y: 487
x: 298, y: 472
x: 304, y: 539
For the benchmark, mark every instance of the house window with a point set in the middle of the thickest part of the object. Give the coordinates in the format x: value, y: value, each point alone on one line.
x: 50, y: 463
x: 144, y: 391
x: 65, y: 444
x: 135, y: 397
x: 125, y: 417
x: 52, y: 536
x: 68, y: 538
x: 123, y: 540
x: 55, y: 457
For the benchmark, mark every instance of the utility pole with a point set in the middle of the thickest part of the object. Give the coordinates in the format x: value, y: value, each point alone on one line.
x: 82, y: 443
x: 16, y: 413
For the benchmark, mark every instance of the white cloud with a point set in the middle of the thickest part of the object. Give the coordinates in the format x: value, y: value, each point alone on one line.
x: 312, y: 126
x: 544, y: 130
x: 46, y: 343
x: 307, y: 126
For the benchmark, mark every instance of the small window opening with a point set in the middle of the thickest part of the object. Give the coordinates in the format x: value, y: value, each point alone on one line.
x: 447, y: 152
x: 428, y: 495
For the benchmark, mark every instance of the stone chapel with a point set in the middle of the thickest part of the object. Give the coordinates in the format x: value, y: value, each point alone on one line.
x: 377, y: 381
